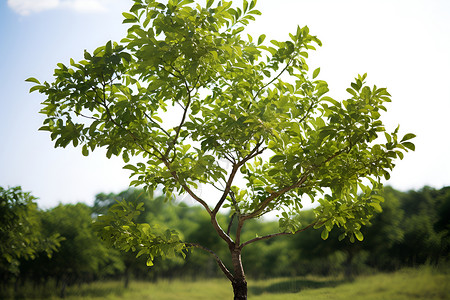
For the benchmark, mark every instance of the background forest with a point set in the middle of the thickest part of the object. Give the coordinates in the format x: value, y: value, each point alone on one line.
x: 62, y: 247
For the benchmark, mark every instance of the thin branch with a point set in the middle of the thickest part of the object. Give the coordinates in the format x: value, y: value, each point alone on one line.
x: 274, y: 195
x: 182, y: 120
x: 216, y: 187
x: 227, y: 189
x: 255, y: 151
x: 277, y: 234
x: 229, y: 158
x: 185, y: 187
x: 307, y: 112
x: 157, y: 125
x: 135, y: 139
x: 87, y: 117
x: 214, y: 222
x: 275, y: 78
x: 231, y: 223
x: 302, y: 179
x: 218, y: 260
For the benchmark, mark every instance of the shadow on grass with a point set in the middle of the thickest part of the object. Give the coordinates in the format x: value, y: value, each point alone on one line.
x: 294, y: 286
x: 96, y: 290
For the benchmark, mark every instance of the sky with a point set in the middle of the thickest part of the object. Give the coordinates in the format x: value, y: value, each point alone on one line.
x: 403, y: 45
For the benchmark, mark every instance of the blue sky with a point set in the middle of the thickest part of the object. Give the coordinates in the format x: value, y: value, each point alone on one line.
x: 403, y: 45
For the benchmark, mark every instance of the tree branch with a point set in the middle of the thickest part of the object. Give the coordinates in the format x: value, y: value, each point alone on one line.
x: 87, y: 117
x: 157, y: 125
x: 274, y: 195
x: 218, y: 260
x: 270, y: 82
x: 185, y: 187
x: 277, y: 234
x: 103, y: 103
x: 231, y: 223
x: 255, y: 151
x: 186, y: 108
x: 302, y: 179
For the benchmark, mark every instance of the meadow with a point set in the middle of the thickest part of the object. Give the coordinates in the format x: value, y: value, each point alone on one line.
x: 421, y: 283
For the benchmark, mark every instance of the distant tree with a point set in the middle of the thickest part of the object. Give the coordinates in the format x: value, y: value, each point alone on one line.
x: 82, y: 256
x: 385, y: 231
x: 442, y: 225
x: 421, y: 242
x: 21, y: 235
x: 203, y: 104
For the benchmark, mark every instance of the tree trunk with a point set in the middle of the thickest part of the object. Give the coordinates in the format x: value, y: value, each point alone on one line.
x: 240, y: 289
x: 62, y: 293
x: 239, y: 283
x: 126, y: 277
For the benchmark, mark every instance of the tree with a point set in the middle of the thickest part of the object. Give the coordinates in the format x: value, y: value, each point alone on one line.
x: 251, y: 122
x: 82, y: 256
x: 21, y: 235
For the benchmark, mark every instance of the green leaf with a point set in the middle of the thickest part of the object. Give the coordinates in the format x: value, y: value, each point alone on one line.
x: 36, y: 88
x: 32, y: 79
x: 359, y: 236
x: 141, y: 252
x: 108, y: 47
x: 149, y: 262
x: 261, y: 39
x: 85, y: 150
x: 351, y: 91
x: 130, y: 167
x: 409, y: 145
x: 277, y: 158
x: 408, y: 136
x: 324, y: 234
x: 245, y: 6
x: 316, y: 72
x: 209, y: 3
x: 355, y: 86
x: 376, y: 206
x: 128, y: 15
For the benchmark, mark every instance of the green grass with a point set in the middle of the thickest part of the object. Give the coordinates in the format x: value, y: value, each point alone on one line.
x: 424, y: 283
x: 403, y: 285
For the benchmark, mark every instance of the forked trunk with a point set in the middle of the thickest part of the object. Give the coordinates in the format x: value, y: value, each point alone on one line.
x: 239, y: 283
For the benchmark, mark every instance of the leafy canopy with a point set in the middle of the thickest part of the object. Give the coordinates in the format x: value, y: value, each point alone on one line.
x: 200, y: 102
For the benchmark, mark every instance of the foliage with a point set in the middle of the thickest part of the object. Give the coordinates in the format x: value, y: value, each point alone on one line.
x: 81, y: 252
x: 119, y: 229
x: 21, y: 235
x: 81, y: 257
x: 252, y: 121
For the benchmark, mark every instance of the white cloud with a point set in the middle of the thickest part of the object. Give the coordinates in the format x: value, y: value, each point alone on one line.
x: 85, y: 6
x: 26, y: 7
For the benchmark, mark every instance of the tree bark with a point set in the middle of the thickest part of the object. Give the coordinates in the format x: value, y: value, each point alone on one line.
x: 240, y: 289
x: 239, y: 283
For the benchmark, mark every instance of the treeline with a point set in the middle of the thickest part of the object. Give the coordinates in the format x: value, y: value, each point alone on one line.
x: 59, y: 246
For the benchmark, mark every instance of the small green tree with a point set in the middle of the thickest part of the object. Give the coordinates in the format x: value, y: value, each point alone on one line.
x: 201, y: 103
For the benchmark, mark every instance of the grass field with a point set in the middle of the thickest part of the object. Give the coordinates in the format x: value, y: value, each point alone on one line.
x: 423, y: 283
